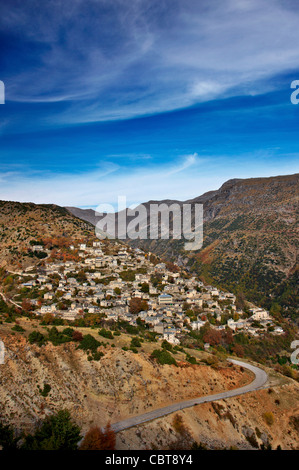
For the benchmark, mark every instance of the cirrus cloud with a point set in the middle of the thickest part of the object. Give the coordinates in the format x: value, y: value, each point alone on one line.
x: 117, y: 60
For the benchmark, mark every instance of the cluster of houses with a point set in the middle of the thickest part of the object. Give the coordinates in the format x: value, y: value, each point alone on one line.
x: 102, y: 289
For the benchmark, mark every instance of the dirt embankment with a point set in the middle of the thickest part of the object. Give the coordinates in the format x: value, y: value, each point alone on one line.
x: 246, y: 422
x: 124, y: 384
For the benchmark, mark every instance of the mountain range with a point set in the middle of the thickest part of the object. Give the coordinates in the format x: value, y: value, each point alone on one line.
x: 250, y: 240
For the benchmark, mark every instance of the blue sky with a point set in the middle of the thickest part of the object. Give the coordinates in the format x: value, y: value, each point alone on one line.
x: 145, y: 99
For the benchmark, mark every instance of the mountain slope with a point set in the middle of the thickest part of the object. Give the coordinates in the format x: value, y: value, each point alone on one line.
x: 89, y: 215
x: 250, y: 240
x: 24, y: 224
x: 123, y: 384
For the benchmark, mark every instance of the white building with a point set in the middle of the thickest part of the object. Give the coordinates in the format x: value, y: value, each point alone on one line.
x: 196, y: 325
x: 169, y: 335
x: 260, y: 314
x: 47, y: 309
x: 165, y: 299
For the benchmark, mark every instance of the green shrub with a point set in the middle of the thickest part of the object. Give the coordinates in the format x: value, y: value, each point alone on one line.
x: 57, y: 337
x: 106, y: 333
x: 37, y: 338
x: 68, y: 332
x: 7, y: 439
x: 163, y: 357
x: 89, y: 343
x: 97, y: 355
x: 167, y: 346
x: 46, y: 390
x: 135, y: 343
x: 18, y: 328
x: 191, y: 359
x: 57, y: 432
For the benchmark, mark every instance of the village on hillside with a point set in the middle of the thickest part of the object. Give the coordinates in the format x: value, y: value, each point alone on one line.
x: 126, y: 285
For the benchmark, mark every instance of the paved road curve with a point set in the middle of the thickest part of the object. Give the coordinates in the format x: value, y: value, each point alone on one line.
x: 260, y: 380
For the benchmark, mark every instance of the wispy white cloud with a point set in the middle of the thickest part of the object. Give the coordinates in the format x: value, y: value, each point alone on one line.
x: 188, y: 161
x: 120, y: 59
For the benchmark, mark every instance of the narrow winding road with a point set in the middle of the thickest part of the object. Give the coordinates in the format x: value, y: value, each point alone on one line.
x: 6, y: 300
x: 260, y: 380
